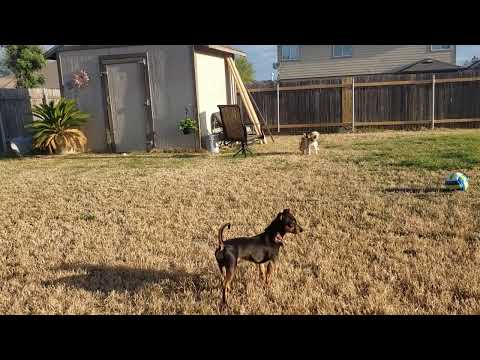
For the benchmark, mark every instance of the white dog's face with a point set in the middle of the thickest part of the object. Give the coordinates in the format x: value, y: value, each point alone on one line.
x: 311, y: 137
x: 309, y: 141
x: 314, y: 135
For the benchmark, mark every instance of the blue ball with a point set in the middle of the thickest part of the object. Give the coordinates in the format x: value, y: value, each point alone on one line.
x: 457, y: 181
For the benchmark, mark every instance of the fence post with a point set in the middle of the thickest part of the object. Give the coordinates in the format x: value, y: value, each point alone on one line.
x: 347, y: 102
x: 278, y: 106
x: 353, y: 104
x: 433, y: 101
x: 3, y: 135
x: 44, y: 97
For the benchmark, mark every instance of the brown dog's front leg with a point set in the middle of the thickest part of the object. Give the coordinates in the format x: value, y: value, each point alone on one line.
x: 261, y: 272
x: 270, y: 270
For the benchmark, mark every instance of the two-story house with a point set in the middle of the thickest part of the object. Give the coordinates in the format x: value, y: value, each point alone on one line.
x: 319, y: 61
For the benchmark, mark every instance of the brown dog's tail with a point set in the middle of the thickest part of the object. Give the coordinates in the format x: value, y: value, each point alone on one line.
x: 220, y: 234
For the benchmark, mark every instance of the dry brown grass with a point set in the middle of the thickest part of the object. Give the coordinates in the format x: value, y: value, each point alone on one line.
x: 97, y: 234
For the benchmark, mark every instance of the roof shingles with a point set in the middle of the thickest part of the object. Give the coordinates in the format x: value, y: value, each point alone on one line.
x: 427, y: 65
x: 52, y: 52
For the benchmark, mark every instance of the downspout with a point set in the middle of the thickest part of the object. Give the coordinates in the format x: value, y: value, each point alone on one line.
x: 353, y: 104
x: 433, y: 101
x: 278, y: 94
x: 278, y: 105
x: 60, y: 75
x: 195, y: 105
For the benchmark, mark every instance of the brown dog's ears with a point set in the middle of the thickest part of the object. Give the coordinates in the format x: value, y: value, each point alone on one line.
x: 280, y: 216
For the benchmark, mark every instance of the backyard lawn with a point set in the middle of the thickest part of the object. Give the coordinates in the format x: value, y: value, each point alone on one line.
x: 136, y: 234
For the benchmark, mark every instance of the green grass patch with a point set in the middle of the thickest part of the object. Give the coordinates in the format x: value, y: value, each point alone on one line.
x: 443, y: 152
x: 87, y: 216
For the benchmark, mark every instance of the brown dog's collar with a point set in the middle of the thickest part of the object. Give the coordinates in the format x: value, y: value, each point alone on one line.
x: 278, y: 239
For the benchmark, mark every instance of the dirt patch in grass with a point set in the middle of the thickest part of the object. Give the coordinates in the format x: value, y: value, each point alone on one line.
x: 97, y: 234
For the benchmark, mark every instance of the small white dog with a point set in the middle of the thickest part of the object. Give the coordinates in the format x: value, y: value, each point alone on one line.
x: 308, y: 142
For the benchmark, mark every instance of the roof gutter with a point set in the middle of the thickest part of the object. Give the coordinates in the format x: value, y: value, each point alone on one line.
x: 222, y: 49
x: 51, y: 53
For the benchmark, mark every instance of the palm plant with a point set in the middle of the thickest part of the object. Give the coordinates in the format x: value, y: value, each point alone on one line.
x: 56, y: 127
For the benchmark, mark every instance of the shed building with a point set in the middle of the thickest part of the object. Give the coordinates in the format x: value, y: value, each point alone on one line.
x: 137, y: 94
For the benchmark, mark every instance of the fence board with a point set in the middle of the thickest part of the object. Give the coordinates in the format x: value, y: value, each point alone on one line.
x: 317, y: 125
x: 380, y: 100
x: 3, y: 138
x: 16, y: 107
x: 347, y: 103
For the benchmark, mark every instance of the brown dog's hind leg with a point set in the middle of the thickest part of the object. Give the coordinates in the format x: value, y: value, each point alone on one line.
x: 227, y: 283
x: 220, y: 266
x: 230, y: 264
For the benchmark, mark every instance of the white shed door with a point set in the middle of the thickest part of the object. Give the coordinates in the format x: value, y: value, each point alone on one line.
x: 126, y: 87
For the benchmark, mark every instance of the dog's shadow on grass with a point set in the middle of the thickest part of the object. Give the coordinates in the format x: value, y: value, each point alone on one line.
x: 274, y: 153
x: 105, y: 279
x: 418, y: 190
x: 229, y: 154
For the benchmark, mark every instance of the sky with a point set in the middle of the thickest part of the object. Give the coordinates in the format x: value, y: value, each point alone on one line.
x: 263, y: 56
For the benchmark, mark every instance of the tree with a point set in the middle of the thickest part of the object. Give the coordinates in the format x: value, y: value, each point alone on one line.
x: 3, y: 69
x: 247, y: 73
x: 25, y: 61
x: 470, y: 62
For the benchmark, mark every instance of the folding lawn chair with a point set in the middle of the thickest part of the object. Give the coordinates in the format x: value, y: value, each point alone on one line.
x: 235, y: 130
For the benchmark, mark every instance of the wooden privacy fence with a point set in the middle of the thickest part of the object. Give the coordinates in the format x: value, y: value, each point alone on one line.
x: 15, y: 110
x: 371, y: 101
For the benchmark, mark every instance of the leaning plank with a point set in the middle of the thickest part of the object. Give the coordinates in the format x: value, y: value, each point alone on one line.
x: 240, y: 86
x: 260, y: 114
x: 243, y: 94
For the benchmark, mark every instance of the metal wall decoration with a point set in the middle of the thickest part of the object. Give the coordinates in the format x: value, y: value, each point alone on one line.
x: 80, y: 79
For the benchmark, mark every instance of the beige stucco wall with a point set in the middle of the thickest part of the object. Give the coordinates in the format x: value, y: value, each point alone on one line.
x: 171, y: 87
x: 50, y: 71
x: 213, y: 87
x: 317, y: 60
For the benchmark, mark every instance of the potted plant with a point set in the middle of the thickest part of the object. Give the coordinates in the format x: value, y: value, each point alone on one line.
x: 56, y: 128
x: 187, y: 125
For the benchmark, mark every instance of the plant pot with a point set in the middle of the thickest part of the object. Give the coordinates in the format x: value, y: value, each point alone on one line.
x: 66, y: 149
x: 188, y: 131
x: 63, y: 149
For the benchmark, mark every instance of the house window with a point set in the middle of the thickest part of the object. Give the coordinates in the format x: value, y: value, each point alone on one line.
x: 290, y: 52
x: 342, y: 50
x: 440, y: 47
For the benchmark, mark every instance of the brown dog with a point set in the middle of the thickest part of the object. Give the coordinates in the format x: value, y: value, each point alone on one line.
x: 260, y: 249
